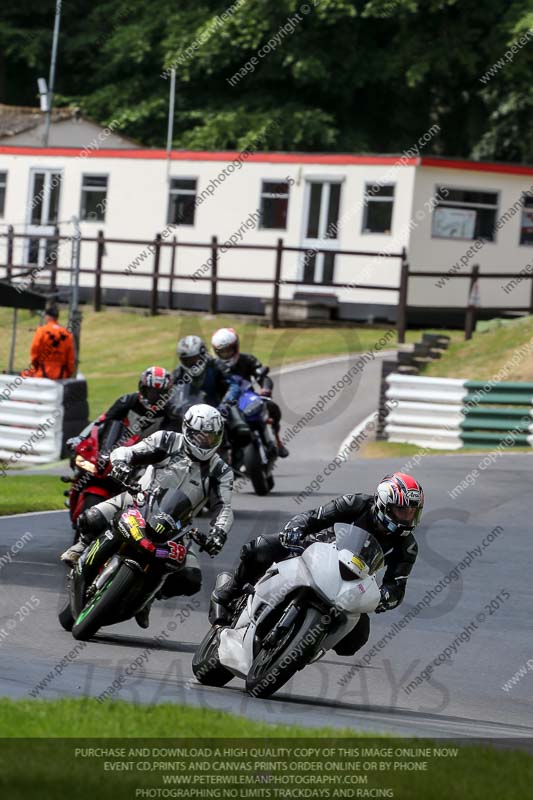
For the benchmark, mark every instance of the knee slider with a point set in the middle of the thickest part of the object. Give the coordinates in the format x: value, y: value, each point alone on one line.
x: 91, y: 522
x: 192, y: 581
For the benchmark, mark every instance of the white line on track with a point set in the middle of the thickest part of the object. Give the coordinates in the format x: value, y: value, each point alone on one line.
x: 355, y: 432
x: 33, y: 513
x: 326, y: 361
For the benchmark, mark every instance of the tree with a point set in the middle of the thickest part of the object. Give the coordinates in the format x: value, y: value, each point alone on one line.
x: 335, y: 75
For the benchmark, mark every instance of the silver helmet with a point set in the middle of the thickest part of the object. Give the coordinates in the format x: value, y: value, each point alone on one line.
x: 203, y: 428
x: 192, y: 354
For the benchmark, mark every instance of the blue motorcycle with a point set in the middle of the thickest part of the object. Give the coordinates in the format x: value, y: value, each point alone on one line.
x: 251, y: 438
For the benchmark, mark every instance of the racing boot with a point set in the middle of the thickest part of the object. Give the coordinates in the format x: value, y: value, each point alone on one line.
x: 142, y: 617
x: 227, y: 589
x: 282, y: 450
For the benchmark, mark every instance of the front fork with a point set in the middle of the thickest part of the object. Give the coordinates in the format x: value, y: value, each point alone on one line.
x: 89, y: 564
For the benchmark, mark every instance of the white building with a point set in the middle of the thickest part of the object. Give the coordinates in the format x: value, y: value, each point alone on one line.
x: 448, y: 214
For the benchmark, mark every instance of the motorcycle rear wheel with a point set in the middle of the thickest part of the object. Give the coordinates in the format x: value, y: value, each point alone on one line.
x: 271, y: 669
x: 256, y: 471
x: 97, y: 611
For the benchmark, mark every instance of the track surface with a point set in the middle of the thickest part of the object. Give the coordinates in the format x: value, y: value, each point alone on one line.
x: 463, y: 696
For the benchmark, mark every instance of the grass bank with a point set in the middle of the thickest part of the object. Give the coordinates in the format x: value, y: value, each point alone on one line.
x: 117, y: 344
x: 22, y: 493
x: 486, y: 354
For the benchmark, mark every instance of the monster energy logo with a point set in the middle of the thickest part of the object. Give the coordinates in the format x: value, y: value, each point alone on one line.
x: 93, y: 551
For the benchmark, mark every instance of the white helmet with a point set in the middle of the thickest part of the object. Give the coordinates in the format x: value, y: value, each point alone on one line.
x: 192, y: 354
x: 225, y: 343
x: 202, y: 430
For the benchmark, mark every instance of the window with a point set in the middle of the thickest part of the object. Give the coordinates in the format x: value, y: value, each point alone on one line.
x: 93, y: 198
x: 182, y: 201
x: 526, y: 228
x: 379, y: 204
x: 274, y: 204
x: 464, y: 214
x: 3, y: 184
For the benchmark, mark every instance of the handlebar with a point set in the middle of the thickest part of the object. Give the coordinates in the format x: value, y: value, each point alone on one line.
x: 198, y: 537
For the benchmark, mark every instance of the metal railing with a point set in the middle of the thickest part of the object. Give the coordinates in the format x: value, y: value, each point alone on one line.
x: 214, y: 278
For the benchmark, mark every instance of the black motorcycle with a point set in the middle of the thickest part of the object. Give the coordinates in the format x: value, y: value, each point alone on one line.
x: 125, y: 568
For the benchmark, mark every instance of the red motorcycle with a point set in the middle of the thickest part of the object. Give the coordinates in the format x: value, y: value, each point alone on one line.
x: 91, y: 482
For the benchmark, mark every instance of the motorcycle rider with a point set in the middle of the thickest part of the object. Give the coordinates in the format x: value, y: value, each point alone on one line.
x: 142, y: 412
x: 391, y: 515
x: 226, y: 345
x: 201, y: 370
x: 188, y: 461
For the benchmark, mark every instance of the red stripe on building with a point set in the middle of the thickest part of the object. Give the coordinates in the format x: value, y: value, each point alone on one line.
x: 477, y: 166
x: 196, y: 155
x: 340, y: 159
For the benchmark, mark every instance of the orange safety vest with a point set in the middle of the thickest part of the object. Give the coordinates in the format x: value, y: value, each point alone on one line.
x: 52, y: 352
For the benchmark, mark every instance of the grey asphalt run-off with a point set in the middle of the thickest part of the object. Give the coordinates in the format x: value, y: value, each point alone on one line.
x: 462, y: 698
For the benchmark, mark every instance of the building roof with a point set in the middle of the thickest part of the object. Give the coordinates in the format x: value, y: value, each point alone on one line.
x: 344, y: 159
x: 23, y: 124
x: 18, y: 119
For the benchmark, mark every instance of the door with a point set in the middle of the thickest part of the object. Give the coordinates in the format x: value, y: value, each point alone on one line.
x: 43, y: 209
x: 321, y: 217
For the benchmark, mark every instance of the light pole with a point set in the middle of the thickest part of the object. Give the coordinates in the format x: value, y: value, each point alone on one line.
x: 170, y: 127
x: 51, y: 78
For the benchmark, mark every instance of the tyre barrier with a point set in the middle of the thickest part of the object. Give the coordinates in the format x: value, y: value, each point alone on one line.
x: 449, y: 413
x: 37, y: 416
x: 409, y: 361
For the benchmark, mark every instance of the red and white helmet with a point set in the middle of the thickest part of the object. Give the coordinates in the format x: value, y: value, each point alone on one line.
x: 225, y: 343
x: 398, y: 503
x: 154, y: 384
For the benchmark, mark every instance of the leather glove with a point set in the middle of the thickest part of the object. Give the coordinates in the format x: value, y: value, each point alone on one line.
x: 120, y: 471
x: 291, y: 538
x: 215, y: 541
x: 387, y: 602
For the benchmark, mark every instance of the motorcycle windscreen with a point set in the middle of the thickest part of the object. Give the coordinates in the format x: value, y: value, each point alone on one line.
x: 173, y: 502
x: 111, y: 432
x: 361, y: 544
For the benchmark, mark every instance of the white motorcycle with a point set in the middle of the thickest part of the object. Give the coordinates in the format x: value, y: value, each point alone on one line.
x: 297, y: 611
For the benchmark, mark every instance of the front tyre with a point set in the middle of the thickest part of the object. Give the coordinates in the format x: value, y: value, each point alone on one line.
x: 206, y: 665
x: 99, y: 610
x: 272, y: 668
x: 256, y: 471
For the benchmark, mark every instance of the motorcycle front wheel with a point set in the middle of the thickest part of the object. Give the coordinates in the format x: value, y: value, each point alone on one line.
x: 206, y: 666
x: 98, y: 611
x: 274, y: 666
